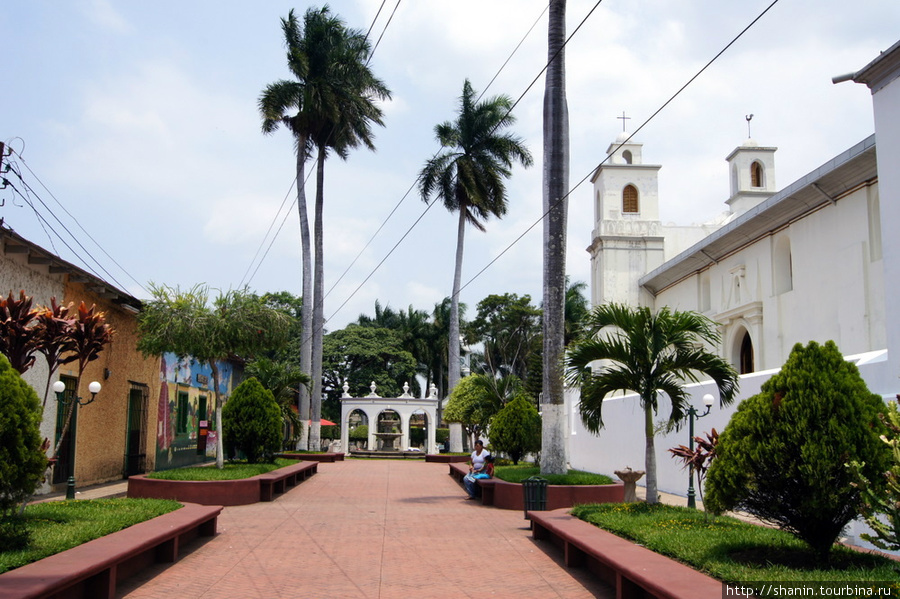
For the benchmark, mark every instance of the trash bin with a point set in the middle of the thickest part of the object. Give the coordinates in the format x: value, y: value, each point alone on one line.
x: 534, y: 489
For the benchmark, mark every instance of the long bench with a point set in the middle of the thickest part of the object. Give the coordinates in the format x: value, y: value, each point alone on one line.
x: 93, y: 569
x: 634, y: 571
x: 277, y: 482
x: 509, y: 496
x: 262, y: 487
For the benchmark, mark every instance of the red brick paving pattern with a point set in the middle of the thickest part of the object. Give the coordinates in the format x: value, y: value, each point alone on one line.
x: 375, y: 529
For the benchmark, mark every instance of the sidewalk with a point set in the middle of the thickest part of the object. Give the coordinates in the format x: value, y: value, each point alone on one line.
x: 373, y: 529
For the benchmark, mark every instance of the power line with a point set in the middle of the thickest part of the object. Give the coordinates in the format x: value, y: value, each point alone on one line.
x: 75, y: 220
x: 650, y: 118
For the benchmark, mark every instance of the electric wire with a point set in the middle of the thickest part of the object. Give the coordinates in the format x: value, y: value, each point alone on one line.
x: 521, y: 96
x: 413, y: 185
x: 46, y: 224
x: 75, y: 220
x: 643, y: 124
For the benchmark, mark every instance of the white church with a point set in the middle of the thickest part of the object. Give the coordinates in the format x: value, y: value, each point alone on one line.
x: 816, y: 260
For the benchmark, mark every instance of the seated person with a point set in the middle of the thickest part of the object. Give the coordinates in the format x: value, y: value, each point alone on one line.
x: 487, y: 471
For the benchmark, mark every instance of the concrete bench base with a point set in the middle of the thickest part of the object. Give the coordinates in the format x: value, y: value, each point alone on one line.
x: 633, y: 570
x: 93, y: 569
x: 262, y: 487
x: 509, y: 496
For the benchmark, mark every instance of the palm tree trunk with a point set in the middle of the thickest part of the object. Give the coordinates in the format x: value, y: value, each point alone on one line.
x: 220, y: 447
x: 556, y: 184
x: 318, y: 328
x: 306, y: 292
x: 453, y: 337
x: 650, y: 455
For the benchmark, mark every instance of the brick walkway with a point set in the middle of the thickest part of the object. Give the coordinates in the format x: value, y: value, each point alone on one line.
x: 373, y: 529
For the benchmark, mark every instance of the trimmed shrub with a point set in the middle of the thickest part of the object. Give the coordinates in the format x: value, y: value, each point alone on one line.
x: 331, y: 432
x: 516, y: 429
x: 360, y: 433
x: 417, y: 436
x: 251, y: 420
x: 22, y: 463
x: 441, y: 435
x: 782, y: 456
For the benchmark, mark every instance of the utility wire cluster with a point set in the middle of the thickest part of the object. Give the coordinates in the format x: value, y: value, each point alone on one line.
x: 11, y: 177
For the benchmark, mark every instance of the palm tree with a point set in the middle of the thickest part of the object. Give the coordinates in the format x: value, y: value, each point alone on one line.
x: 334, y: 97
x: 468, y: 177
x: 347, y: 107
x: 646, y: 353
x: 556, y: 188
x: 287, y: 102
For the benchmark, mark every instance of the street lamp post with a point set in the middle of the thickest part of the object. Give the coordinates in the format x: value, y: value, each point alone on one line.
x: 693, y: 415
x: 60, y: 388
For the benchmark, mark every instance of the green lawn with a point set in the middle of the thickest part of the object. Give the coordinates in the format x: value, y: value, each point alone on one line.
x: 732, y: 550
x: 516, y: 474
x: 231, y: 471
x: 59, y: 525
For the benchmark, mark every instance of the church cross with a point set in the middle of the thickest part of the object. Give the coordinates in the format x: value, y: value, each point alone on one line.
x: 624, y: 118
x: 749, y: 118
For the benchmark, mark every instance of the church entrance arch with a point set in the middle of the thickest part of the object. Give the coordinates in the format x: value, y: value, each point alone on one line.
x: 742, y: 352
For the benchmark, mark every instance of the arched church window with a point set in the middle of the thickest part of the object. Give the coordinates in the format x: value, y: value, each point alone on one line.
x: 630, y: 199
x: 756, y: 175
x: 627, y: 156
x: 782, y: 267
x: 746, y: 357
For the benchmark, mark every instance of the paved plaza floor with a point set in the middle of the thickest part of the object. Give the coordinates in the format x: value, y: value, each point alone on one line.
x: 368, y: 529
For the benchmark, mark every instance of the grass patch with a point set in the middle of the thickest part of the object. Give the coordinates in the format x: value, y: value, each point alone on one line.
x: 516, y: 474
x: 731, y: 550
x: 232, y: 471
x: 55, y: 526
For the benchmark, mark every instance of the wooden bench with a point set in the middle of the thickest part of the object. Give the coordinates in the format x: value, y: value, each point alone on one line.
x: 634, y: 571
x: 94, y: 568
x: 276, y: 482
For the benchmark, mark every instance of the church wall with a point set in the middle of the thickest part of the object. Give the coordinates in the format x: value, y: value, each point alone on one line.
x: 846, y: 305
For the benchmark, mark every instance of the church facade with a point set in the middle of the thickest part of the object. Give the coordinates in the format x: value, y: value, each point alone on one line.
x: 816, y: 260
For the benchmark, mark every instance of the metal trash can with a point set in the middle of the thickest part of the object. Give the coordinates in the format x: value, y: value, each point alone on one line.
x: 534, y: 490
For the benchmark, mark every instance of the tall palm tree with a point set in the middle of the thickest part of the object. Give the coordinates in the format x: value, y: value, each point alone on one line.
x: 646, y: 353
x: 334, y: 97
x: 556, y: 188
x: 349, y: 96
x: 289, y: 103
x: 468, y: 177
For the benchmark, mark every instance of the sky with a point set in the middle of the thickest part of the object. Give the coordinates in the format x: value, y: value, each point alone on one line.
x: 136, y: 123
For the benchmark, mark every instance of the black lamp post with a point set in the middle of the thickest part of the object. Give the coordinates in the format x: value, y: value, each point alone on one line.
x: 693, y: 415
x: 60, y: 388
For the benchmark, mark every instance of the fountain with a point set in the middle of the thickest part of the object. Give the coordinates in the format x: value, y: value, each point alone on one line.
x: 390, y: 420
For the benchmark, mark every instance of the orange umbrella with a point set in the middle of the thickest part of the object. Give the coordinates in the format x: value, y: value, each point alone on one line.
x: 324, y: 422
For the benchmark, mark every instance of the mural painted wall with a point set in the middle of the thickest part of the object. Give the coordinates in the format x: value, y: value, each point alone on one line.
x: 186, y: 410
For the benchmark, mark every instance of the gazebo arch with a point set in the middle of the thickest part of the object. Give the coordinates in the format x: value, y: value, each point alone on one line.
x: 373, y: 405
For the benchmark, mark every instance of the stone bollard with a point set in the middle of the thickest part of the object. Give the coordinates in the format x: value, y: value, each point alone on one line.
x: 630, y: 478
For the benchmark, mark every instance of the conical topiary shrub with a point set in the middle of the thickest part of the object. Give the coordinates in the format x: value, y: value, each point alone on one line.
x: 252, y: 422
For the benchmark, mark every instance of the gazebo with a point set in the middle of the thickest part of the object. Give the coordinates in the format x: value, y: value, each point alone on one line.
x: 405, y: 406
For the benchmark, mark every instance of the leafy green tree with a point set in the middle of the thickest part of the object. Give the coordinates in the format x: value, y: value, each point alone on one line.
x: 284, y: 380
x: 509, y: 328
x: 468, y: 177
x: 473, y: 403
x: 359, y: 355
x: 22, y: 460
x: 577, y: 309
x: 516, y: 429
x: 556, y: 208
x: 782, y: 456
x: 185, y: 323
x: 646, y: 353
x: 252, y: 422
